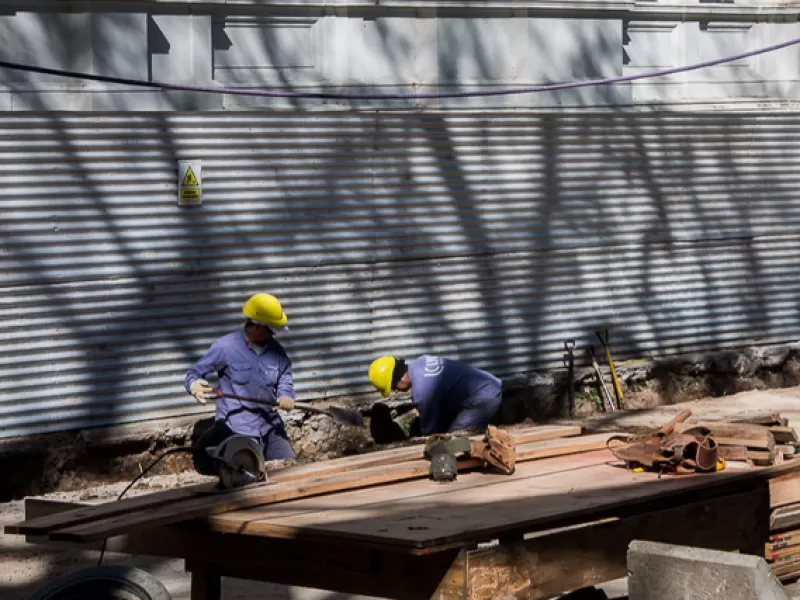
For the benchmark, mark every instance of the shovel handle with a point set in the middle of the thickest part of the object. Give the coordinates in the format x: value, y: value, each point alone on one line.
x: 310, y: 409
x: 222, y: 394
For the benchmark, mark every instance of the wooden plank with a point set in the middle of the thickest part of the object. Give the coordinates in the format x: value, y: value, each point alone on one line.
x: 783, y: 554
x: 768, y: 419
x: 36, y: 508
x: 547, y: 566
x: 783, y: 536
x: 785, y: 517
x: 204, y: 505
x: 640, y: 421
x: 79, y: 515
x: 736, y: 434
x: 784, y: 490
x: 764, y: 458
x: 289, y: 490
x: 478, y: 507
x: 526, y: 452
x: 784, y: 435
x: 783, y: 570
x: 408, y: 453
x: 240, y: 520
x: 734, y: 453
x: 339, y: 465
x: 771, y: 548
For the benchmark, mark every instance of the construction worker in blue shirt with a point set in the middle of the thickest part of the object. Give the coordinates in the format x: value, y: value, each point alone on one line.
x: 248, y: 362
x: 449, y: 395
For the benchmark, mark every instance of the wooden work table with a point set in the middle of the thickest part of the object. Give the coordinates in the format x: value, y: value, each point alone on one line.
x: 556, y: 524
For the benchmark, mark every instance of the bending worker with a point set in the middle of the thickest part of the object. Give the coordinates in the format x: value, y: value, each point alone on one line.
x: 449, y: 395
x: 249, y: 362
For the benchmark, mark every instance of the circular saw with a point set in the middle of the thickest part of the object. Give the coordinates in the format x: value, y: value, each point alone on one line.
x: 240, y: 462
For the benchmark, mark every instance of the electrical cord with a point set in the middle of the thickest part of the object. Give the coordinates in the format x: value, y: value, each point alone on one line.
x: 137, y: 478
x: 420, y: 95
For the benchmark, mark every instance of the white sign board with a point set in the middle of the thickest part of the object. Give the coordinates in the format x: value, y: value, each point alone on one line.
x: 190, y: 179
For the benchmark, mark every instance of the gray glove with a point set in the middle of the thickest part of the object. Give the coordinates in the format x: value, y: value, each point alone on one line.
x: 202, y: 391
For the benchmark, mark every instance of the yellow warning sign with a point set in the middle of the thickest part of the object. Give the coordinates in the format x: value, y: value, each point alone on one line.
x: 189, y: 178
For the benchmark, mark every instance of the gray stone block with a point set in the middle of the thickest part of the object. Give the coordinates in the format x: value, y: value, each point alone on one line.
x: 668, y: 572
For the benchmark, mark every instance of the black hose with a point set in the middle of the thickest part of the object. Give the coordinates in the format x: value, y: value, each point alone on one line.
x: 137, y: 478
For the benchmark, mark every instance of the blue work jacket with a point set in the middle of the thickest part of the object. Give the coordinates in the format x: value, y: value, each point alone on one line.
x: 264, y: 373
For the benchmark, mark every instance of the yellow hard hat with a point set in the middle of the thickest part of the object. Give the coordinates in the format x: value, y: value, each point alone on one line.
x: 265, y: 309
x: 380, y: 374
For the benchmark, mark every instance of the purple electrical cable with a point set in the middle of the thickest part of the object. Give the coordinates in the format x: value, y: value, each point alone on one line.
x: 430, y: 95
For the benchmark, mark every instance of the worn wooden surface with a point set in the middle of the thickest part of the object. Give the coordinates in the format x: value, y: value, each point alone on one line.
x: 87, y: 529
x: 126, y: 507
x: 547, y: 566
x: 340, y: 565
x: 423, y: 514
x: 544, y: 565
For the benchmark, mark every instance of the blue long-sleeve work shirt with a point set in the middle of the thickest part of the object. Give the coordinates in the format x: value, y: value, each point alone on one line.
x: 264, y: 373
x: 452, y: 396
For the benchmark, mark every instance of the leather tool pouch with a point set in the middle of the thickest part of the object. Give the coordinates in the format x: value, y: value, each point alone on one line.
x: 497, y: 448
x: 690, y: 451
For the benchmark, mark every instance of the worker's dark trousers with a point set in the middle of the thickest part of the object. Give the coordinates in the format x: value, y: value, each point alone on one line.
x: 274, y: 445
x: 215, y: 435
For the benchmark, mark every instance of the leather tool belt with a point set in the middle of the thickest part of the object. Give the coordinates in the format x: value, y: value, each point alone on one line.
x: 690, y: 451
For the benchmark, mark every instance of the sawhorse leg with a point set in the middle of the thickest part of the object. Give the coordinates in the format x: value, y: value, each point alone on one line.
x: 206, y: 581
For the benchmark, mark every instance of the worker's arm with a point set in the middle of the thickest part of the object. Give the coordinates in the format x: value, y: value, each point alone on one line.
x: 211, y: 362
x: 428, y: 420
x: 286, y: 395
x: 426, y: 400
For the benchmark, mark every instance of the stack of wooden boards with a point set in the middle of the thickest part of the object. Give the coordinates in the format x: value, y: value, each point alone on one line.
x: 760, y: 440
x: 782, y: 549
x: 89, y: 524
x: 766, y: 440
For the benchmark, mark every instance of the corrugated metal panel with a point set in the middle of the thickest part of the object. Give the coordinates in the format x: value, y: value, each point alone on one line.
x: 488, y: 237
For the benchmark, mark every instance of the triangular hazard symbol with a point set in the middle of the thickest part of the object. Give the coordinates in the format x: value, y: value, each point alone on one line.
x: 189, y: 178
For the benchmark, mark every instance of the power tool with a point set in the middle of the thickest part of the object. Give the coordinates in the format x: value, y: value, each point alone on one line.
x: 240, y: 462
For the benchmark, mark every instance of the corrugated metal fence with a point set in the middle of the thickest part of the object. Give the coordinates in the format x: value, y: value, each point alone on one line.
x: 488, y: 237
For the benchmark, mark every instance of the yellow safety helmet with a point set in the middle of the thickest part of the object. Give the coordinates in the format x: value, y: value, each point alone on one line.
x: 381, y: 372
x: 265, y: 309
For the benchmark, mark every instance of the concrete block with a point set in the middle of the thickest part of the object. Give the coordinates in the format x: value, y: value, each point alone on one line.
x: 669, y: 572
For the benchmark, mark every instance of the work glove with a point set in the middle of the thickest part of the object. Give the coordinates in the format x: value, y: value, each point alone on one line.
x: 285, y: 403
x: 202, y: 391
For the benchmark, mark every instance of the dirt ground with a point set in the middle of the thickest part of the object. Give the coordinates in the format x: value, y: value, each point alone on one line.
x: 24, y: 568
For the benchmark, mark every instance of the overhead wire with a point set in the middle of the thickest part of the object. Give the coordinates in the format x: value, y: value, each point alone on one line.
x: 322, y: 95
